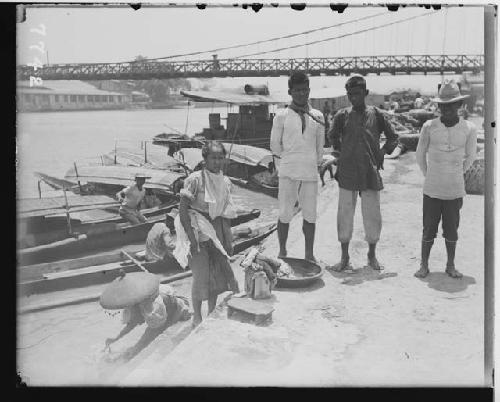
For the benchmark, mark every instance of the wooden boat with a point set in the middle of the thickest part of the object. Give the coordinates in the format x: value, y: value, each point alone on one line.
x: 104, y: 236
x: 66, y: 274
x: 46, y: 220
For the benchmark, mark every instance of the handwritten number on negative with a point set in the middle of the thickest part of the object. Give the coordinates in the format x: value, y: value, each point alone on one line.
x: 40, y: 48
x: 40, y: 31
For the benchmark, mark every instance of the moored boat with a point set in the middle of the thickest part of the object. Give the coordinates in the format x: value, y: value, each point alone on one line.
x: 104, y: 237
x: 92, y: 270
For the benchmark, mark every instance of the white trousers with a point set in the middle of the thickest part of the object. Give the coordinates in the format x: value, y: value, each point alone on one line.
x: 291, y: 191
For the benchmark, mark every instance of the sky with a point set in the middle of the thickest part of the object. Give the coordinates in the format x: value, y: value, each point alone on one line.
x: 93, y: 34
x: 111, y: 34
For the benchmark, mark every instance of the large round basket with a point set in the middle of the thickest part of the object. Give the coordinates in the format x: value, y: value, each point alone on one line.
x: 304, y: 273
x: 129, y: 289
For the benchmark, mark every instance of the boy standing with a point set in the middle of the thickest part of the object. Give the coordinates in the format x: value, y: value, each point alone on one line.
x: 355, y: 136
x: 298, y: 137
x: 446, y: 150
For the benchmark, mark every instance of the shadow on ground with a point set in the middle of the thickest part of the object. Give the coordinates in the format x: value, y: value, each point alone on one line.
x: 313, y: 286
x: 356, y: 276
x: 444, y: 283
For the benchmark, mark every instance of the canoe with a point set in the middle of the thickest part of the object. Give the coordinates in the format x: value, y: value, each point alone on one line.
x: 55, y: 279
x: 104, y: 236
x: 52, y: 225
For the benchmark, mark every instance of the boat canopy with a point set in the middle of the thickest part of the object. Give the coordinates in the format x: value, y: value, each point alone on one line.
x: 235, y: 98
x: 248, y: 154
x: 124, y: 176
x: 154, y: 156
x: 245, y: 154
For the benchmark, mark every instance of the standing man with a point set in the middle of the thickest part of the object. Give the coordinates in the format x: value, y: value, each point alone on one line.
x: 446, y: 150
x: 131, y: 197
x: 355, y: 137
x: 297, y: 137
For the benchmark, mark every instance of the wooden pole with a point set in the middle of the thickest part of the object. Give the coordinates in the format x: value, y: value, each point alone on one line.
x: 39, y: 189
x: 145, y: 153
x: 490, y: 68
x: 68, y: 218
x: 115, y: 152
x: 78, y: 180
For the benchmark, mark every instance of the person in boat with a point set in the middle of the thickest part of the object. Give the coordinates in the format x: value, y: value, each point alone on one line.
x: 158, y: 309
x: 131, y: 197
x: 297, y: 137
x: 355, y: 137
x: 203, y: 229
x: 446, y: 150
x: 160, y: 242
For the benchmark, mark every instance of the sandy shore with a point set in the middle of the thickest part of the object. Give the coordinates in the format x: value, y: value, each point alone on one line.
x: 358, y: 328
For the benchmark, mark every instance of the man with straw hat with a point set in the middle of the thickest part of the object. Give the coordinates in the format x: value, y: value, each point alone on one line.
x: 131, y: 197
x: 446, y: 150
x: 143, y: 300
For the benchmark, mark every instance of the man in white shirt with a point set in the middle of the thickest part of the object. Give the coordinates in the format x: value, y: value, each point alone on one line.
x: 297, y: 138
x: 130, y: 198
x: 160, y: 242
x: 446, y: 150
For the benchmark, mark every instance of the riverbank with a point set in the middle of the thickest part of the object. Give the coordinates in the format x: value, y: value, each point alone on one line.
x: 359, y: 328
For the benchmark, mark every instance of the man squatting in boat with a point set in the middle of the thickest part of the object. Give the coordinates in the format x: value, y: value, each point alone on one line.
x: 446, y: 150
x: 355, y: 137
x: 130, y: 198
x: 297, y: 137
x: 160, y: 242
x: 203, y: 229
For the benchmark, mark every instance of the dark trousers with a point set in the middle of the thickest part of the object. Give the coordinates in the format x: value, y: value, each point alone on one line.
x: 436, y: 210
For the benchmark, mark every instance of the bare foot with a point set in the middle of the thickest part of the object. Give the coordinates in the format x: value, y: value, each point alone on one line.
x: 311, y: 258
x: 343, y: 265
x: 422, y: 272
x: 196, y: 322
x: 374, y: 264
x: 282, y: 255
x: 451, y: 271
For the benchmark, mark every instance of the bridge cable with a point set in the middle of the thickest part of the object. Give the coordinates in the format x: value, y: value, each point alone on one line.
x: 337, y: 37
x: 266, y: 40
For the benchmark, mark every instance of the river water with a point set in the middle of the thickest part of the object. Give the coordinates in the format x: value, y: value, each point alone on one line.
x: 52, y: 142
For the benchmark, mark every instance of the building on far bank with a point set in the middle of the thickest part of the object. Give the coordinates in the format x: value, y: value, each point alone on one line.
x: 67, y: 95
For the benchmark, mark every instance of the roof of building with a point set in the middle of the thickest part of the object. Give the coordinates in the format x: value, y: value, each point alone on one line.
x: 63, y: 87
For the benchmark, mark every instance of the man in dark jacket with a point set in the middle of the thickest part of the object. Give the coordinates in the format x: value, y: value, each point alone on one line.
x: 355, y: 137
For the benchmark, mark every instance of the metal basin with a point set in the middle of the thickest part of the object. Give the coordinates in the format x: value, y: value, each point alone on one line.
x: 304, y: 273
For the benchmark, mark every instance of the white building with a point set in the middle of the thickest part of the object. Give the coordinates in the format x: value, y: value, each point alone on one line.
x: 67, y: 95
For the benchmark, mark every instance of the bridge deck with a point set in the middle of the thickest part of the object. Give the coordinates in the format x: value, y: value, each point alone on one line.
x: 408, y: 64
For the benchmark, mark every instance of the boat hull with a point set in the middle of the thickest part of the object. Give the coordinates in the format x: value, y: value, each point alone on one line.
x: 90, y: 276
x: 102, y: 238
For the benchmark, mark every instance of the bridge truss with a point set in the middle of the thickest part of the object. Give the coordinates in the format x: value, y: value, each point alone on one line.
x: 143, y: 70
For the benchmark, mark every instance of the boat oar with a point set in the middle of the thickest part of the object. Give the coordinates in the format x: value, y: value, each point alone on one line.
x: 136, y: 262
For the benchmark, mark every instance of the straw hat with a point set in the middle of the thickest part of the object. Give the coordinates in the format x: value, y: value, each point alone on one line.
x: 129, y: 289
x: 141, y: 176
x: 449, y: 92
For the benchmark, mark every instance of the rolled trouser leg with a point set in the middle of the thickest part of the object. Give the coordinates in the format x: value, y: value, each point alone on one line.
x: 372, y: 218
x: 345, y: 214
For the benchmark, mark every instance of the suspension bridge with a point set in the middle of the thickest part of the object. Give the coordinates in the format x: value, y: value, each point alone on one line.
x: 144, y: 70
x: 244, y: 66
